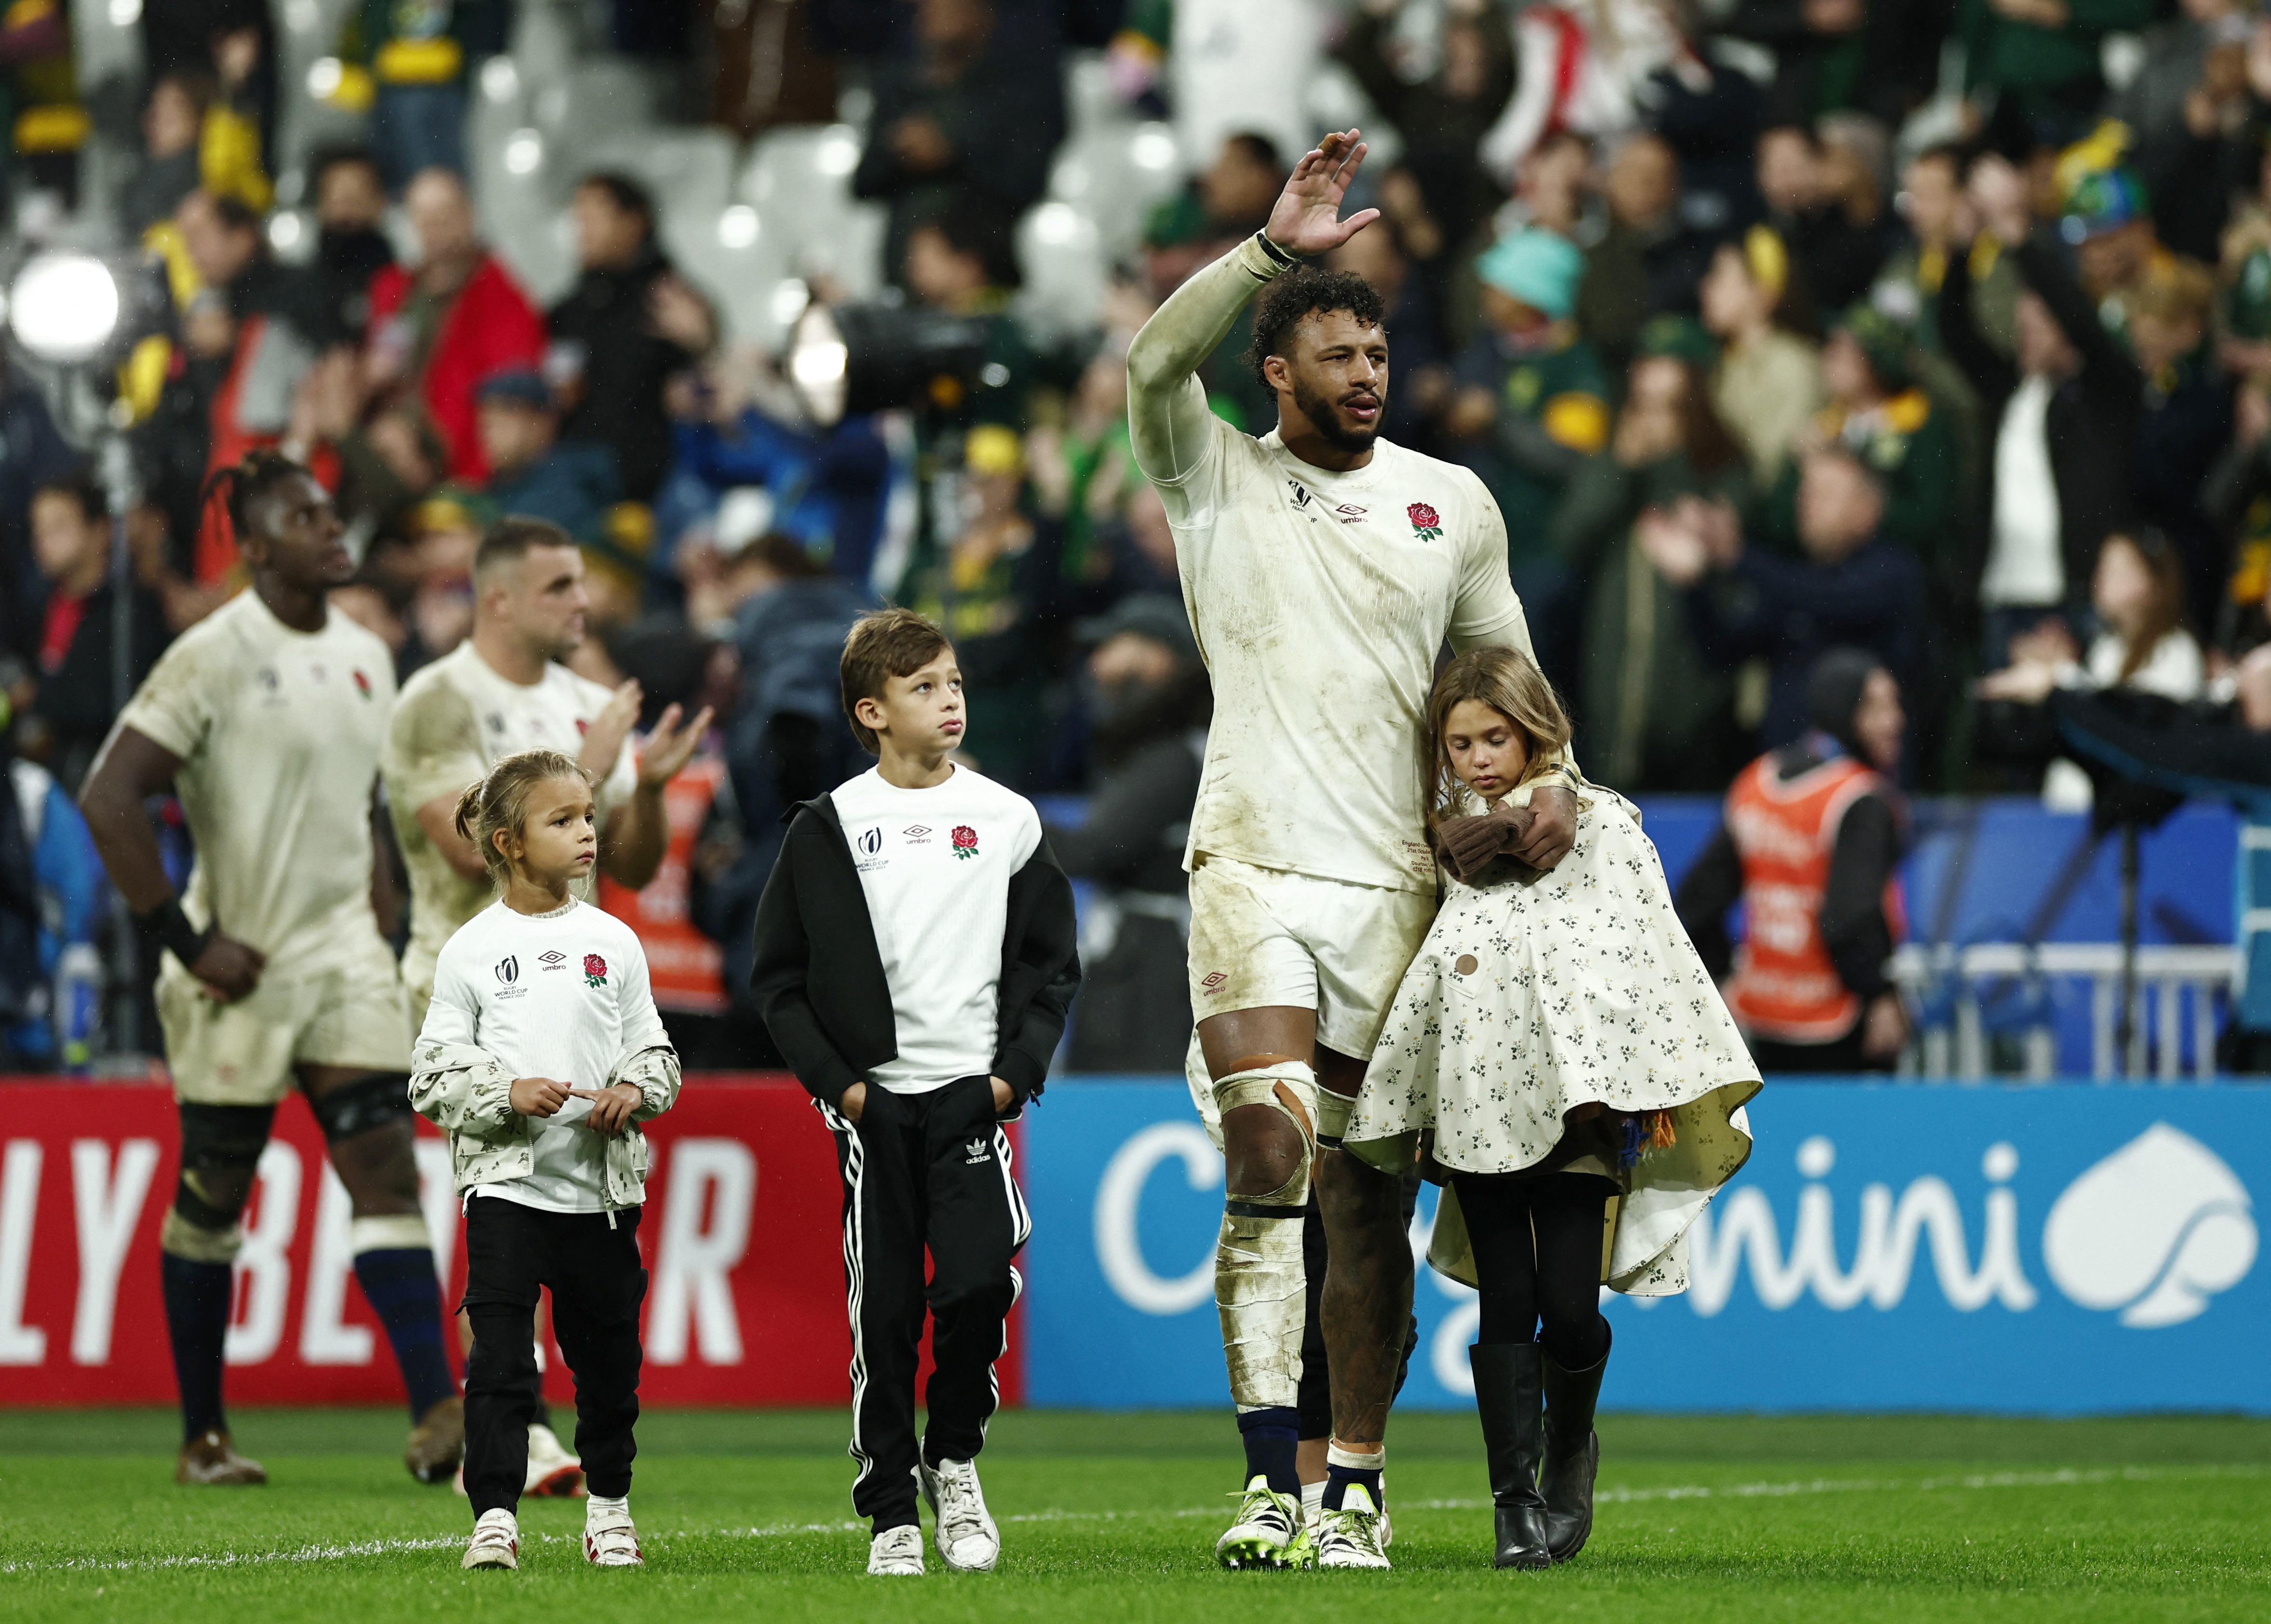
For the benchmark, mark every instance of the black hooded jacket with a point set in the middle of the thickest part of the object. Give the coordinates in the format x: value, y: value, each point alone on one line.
x: 818, y: 977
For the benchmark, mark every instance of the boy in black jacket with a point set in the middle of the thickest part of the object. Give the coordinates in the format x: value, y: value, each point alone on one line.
x: 878, y: 976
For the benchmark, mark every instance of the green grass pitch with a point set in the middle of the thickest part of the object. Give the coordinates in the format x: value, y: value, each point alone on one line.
x: 747, y: 1515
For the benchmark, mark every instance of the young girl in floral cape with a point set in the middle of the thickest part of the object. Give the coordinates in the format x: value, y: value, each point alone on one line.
x: 1559, y: 1052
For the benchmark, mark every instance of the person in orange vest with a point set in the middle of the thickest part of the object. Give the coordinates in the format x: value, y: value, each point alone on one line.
x: 1811, y: 844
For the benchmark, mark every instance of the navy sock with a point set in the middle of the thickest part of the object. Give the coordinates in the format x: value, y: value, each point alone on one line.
x: 1271, y: 1437
x: 399, y: 1281
x: 197, y: 1321
x: 1337, y: 1480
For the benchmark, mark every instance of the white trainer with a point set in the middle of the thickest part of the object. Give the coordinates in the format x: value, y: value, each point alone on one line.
x: 968, y: 1540
x: 897, y: 1553
x: 495, y: 1542
x: 552, y: 1469
x: 609, y: 1539
x: 1268, y: 1533
x: 1351, y: 1535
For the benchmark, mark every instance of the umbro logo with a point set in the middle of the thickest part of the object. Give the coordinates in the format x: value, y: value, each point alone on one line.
x: 979, y: 1151
x: 554, y: 959
x: 507, y: 970
x: 917, y: 834
x: 1213, y: 982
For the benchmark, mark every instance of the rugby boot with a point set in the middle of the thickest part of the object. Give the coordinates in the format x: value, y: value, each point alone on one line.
x: 1572, y: 1455
x: 1509, y: 1397
x: 437, y: 1444
x: 1269, y: 1531
x: 1351, y: 1535
x: 209, y: 1458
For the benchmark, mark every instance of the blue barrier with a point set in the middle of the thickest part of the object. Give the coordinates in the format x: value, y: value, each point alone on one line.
x: 2052, y: 1250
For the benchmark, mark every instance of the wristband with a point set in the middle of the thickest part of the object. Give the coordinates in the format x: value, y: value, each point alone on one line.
x: 174, y: 932
x: 1278, y: 256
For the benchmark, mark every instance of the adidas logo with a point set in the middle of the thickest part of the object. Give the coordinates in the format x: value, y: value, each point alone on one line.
x: 979, y: 1151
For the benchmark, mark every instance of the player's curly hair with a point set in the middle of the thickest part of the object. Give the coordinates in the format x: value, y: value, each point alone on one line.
x: 245, y: 481
x: 1302, y: 292
x: 500, y: 801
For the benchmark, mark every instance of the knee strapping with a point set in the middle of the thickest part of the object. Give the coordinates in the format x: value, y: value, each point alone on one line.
x: 220, y: 1157
x: 1289, y: 1088
x: 365, y: 1103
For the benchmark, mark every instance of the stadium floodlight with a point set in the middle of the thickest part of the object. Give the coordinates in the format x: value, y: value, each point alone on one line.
x: 856, y: 357
x: 65, y: 306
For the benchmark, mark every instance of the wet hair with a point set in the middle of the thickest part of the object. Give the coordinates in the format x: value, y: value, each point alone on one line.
x: 509, y: 539
x: 1301, y: 293
x: 628, y: 195
x: 245, y: 481
x: 1510, y: 683
x: 500, y: 801
x: 77, y: 486
x: 891, y: 642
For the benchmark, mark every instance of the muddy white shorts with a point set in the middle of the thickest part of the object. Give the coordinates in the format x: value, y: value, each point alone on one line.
x: 350, y: 1013
x: 1264, y: 936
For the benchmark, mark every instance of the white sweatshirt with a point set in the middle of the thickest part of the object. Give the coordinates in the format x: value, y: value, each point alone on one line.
x: 563, y: 995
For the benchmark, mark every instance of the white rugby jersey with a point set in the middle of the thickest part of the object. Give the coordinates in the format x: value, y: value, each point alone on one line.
x: 563, y: 995
x: 456, y: 718
x: 935, y: 866
x: 1318, y: 600
x: 278, y: 732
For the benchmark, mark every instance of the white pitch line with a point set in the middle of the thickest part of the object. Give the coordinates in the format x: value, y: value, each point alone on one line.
x: 2062, y: 1477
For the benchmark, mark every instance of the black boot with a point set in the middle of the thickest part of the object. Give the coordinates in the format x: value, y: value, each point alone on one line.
x: 1573, y: 1453
x: 1510, y: 1394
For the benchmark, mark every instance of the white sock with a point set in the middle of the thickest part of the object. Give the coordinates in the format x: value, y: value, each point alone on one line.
x: 1313, y: 1501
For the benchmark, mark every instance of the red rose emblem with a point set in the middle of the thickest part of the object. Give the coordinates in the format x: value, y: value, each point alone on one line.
x: 1422, y: 516
x: 595, y: 969
x: 965, y: 840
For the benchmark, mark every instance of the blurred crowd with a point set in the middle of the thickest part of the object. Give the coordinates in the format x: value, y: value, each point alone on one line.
x: 1938, y: 329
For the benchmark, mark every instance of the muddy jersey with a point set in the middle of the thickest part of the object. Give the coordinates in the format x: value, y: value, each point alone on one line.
x: 456, y: 718
x: 279, y: 733
x: 1318, y: 600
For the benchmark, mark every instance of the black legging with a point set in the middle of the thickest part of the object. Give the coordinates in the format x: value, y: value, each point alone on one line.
x: 1537, y: 1256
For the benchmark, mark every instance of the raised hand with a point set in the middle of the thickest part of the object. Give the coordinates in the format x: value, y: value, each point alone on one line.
x: 1306, y: 218
x: 603, y: 740
x: 670, y: 747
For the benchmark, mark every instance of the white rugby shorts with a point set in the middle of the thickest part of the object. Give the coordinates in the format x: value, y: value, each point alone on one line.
x: 352, y: 1012
x: 1266, y: 936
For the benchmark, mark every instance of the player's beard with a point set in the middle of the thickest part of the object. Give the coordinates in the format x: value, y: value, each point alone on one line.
x: 1324, y: 417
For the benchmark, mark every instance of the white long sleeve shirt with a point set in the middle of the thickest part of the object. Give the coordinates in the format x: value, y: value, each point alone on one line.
x: 563, y: 995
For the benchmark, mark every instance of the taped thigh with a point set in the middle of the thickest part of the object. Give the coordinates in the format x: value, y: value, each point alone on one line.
x: 221, y: 1155
x: 363, y: 1103
x: 1289, y: 1088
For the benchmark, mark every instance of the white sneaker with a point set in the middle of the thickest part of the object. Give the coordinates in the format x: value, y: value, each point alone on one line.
x: 968, y: 1540
x: 1268, y: 1532
x: 897, y: 1553
x: 552, y: 1469
x: 609, y: 1539
x: 495, y: 1542
x: 1351, y: 1535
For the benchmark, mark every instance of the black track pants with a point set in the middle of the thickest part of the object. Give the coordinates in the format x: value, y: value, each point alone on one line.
x: 924, y: 1170
x: 513, y: 1252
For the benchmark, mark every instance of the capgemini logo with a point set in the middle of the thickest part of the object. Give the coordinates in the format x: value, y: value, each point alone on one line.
x: 2154, y: 1229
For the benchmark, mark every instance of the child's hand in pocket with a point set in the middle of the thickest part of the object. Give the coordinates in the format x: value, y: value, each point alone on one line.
x: 1004, y: 1096
x: 611, y: 1107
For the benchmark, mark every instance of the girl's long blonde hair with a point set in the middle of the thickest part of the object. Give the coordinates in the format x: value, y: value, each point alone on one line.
x: 500, y: 801
x: 1510, y: 683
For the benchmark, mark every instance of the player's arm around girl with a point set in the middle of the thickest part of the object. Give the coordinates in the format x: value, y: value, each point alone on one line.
x: 540, y: 1057
x: 1559, y: 1046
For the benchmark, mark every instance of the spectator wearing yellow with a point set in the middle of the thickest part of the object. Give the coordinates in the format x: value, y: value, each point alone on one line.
x: 1769, y: 383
